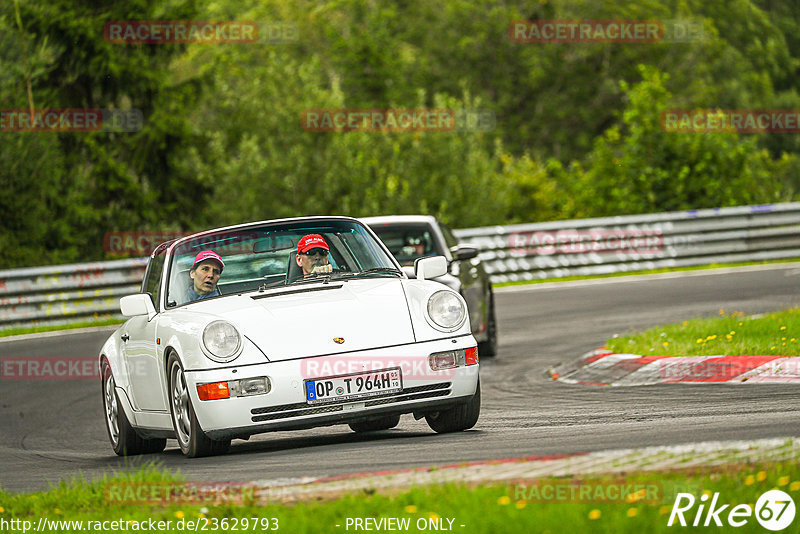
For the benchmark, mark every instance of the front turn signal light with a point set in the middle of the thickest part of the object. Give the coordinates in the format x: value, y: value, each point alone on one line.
x: 213, y: 391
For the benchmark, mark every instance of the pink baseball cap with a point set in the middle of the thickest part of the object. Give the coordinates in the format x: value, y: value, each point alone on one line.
x: 311, y: 241
x: 208, y: 255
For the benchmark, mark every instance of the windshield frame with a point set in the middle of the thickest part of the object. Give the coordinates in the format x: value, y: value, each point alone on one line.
x: 286, y: 224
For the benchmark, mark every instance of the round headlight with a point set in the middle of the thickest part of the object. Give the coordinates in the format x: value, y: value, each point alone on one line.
x: 221, y: 341
x: 446, y: 310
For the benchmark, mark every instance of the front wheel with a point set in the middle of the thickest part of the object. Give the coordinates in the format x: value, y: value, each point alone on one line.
x: 124, y: 439
x: 192, y: 440
x: 384, y: 423
x: 462, y: 417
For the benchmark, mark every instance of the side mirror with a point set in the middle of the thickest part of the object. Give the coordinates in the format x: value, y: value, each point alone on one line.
x: 431, y: 267
x: 138, y: 304
x: 464, y: 252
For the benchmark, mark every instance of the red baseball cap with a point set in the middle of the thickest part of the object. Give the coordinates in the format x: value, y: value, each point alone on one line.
x: 208, y: 255
x: 311, y: 241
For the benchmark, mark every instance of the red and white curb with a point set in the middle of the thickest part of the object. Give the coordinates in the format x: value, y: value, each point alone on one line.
x: 513, y: 470
x: 603, y: 367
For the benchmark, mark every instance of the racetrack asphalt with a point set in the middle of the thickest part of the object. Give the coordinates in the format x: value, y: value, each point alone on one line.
x: 54, y: 430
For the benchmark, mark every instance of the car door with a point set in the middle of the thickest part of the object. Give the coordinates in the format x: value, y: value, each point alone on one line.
x: 140, y: 349
x: 471, y: 284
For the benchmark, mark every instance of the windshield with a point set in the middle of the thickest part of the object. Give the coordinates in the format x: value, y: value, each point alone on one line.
x: 266, y: 256
x: 407, y: 242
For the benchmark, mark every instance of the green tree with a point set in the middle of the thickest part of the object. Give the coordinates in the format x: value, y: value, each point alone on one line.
x: 639, y: 167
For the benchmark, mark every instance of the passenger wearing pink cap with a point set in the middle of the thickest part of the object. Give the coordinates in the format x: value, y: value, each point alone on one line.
x: 312, y: 255
x: 205, y: 273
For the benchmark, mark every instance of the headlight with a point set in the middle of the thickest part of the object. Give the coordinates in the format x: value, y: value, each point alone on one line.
x: 221, y: 341
x: 446, y: 310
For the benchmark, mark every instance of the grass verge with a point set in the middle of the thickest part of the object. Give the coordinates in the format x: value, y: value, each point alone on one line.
x: 483, y: 508
x: 730, y: 334
x: 649, y: 271
x: 54, y: 328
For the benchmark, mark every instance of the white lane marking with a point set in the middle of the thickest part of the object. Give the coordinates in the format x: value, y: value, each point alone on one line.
x: 645, y: 277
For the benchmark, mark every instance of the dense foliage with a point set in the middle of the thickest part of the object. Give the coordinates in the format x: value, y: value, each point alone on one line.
x: 577, y: 125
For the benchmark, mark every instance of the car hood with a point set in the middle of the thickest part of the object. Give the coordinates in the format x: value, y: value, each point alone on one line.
x: 317, y: 319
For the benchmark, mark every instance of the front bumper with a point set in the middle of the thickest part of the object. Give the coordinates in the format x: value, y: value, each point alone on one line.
x: 285, y: 406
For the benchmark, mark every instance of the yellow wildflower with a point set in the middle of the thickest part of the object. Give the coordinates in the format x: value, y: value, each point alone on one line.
x: 761, y: 476
x: 594, y: 514
x: 782, y: 481
x: 411, y: 509
x: 504, y: 500
x: 179, y: 514
x: 520, y: 505
x: 748, y: 481
x: 631, y: 512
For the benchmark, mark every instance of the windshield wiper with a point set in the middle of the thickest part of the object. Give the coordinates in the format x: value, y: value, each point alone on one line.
x: 374, y: 270
x: 270, y: 285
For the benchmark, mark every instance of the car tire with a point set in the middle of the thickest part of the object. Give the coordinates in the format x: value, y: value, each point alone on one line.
x: 462, y: 417
x: 123, y: 437
x: 194, y: 443
x: 384, y: 423
x: 488, y: 348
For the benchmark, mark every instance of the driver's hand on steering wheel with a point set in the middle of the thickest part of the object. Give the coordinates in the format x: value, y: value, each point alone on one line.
x: 322, y: 269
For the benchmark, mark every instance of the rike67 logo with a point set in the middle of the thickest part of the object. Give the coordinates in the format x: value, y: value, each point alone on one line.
x: 774, y: 510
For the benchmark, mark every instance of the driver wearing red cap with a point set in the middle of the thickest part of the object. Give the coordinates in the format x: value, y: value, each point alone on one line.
x: 205, y: 273
x: 312, y: 255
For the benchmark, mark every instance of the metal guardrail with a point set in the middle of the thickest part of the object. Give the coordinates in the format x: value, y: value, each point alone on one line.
x: 69, y: 293
x: 638, y: 242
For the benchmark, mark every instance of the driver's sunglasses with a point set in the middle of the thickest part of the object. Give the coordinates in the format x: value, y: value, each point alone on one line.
x: 315, y: 252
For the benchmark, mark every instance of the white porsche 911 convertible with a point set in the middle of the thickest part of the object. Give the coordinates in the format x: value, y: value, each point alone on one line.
x: 282, y: 325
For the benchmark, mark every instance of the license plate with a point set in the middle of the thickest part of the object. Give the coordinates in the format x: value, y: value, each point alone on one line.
x: 355, y: 386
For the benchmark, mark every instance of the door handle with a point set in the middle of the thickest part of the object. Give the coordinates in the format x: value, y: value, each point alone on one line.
x: 124, y: 337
